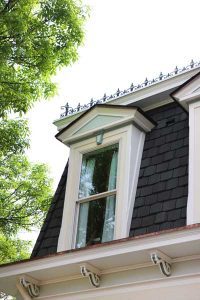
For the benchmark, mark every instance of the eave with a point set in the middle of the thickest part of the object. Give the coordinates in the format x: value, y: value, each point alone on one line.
x: 130, y: 253
x: 146, y: 98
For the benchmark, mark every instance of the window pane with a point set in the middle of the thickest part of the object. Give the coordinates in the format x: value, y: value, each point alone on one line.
x: 98, y: 171
x: 96, y: 221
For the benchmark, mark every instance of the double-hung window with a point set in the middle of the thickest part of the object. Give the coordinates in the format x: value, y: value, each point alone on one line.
x: 102, y: 174
x: 97, y: 196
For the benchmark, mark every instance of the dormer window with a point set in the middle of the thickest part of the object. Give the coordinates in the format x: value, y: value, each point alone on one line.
x: 106, y: 145
x: 97, y: 196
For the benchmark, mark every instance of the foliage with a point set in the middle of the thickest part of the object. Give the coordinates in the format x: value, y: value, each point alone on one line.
x: 13, y: 249
x: 25, y: 190
x: 25, y: 193
x: 14, y: 135
x: 36, y: 37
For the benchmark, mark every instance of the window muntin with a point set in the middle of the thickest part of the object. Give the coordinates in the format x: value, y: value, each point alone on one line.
x: 97, y: 196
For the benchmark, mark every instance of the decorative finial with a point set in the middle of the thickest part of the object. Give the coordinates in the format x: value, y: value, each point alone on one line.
x: 91, y: 102
x: 176, y: 70
x: 69, y: 110
x: 78, y: 107
x: 66, y: 108
x: 192, y: 63
x: 131, y: 87
x: 104, y: 97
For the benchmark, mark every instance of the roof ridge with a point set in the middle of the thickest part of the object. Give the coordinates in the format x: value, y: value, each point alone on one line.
x: 68, y: 110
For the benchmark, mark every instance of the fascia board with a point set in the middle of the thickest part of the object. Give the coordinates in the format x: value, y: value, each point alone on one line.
x: 189, y: 92
x: 157, y: 88
x: 141, y: 94
x: 177, y: 239
x: 188, y: 88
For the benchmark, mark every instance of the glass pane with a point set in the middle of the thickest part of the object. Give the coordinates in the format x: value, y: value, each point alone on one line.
x: 98, y: 171
x: 96, y: 221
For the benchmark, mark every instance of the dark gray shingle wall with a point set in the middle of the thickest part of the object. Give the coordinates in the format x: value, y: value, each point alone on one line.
x: 163, y: 182
x: 48, y: 238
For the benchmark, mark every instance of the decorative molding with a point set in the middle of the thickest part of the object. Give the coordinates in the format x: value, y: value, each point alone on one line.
x: 92, y: 273
x: 164, y: 262
x: 30, y: 285
x: 120, y: 291
x: 133, y: 88
x: 116, y: 116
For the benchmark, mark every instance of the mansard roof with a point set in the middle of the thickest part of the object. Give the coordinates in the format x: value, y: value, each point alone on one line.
x: 161, y: 197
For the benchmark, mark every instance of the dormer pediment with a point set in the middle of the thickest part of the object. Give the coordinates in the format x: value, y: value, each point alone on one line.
x: 103, y: 118
x: 190, y: 91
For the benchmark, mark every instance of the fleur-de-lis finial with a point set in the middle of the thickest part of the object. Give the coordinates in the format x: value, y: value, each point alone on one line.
x: 131, y: 87
x: 66, y: 109
x: 78, y: 107
x: 192, y: 63
x: 118, y: 92
x: 69, y: 110
x: 91, y: 102
x: 176, y: 70
x: 161, y: 76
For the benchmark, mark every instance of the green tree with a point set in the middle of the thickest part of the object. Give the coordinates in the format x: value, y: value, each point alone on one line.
x: 25, y: 193
x: 36, y: 37
x: 25, y: 190
x: 13, y: 249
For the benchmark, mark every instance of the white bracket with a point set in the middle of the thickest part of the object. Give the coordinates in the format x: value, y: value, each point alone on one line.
x: 30, y: 285
x: 92, y: 273
x: 164, y: 262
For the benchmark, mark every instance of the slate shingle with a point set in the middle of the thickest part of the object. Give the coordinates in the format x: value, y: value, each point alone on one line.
x: 48, y: 238
x: 169, y: 183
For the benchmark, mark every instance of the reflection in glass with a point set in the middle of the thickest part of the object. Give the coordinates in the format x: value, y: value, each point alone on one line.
x: 98, y: 171
x: 96, y: 221
x: 97, y: 217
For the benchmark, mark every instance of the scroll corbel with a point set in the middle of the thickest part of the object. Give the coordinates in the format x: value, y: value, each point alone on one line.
x: 92, y: 273
x: 163, y: 261
x: 28, y: 287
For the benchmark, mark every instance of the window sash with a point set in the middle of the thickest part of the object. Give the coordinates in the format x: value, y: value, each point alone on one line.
x: 82, y: 220
x: 97, y: 196
x: 87, y: 183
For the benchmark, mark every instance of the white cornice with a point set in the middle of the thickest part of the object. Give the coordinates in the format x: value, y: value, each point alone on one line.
x: 182, y: 242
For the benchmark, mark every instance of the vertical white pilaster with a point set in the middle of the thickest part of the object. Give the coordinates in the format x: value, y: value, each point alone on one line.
x: 193, y: 207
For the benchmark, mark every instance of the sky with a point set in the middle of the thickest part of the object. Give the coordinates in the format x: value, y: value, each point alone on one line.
x: 125, y: 41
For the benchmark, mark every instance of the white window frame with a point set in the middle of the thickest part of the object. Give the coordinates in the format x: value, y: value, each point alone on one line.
x: 96, y: 196
x: 131, y: 141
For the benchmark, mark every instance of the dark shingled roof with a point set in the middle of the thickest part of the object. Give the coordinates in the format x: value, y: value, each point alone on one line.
x: 48, y: 238
x: 161, y: 197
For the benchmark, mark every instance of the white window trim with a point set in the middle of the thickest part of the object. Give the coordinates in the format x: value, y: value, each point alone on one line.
x: 131, y: 141
x: 193, y: 206
x: 189, y: 97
